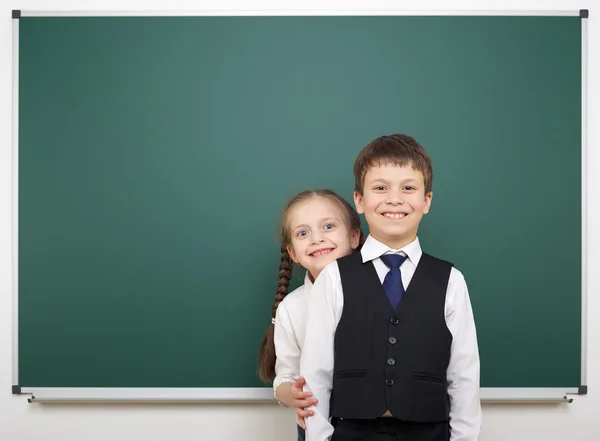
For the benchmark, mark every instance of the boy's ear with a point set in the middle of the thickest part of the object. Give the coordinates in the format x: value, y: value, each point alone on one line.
x: 292, y: 253
x: 358, y: 202
x: 427, y: 205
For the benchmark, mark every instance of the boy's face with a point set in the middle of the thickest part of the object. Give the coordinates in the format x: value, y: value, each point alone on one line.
x: 393, y: 202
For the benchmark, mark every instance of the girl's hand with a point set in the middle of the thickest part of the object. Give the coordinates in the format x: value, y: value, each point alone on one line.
x: 302, y: 400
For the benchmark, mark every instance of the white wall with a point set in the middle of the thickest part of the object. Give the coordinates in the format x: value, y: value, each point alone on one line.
x: 22, y: 421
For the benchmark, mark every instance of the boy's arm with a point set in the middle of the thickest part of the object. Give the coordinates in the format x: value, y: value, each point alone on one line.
x: 316, y: 364
x: 463, y: 370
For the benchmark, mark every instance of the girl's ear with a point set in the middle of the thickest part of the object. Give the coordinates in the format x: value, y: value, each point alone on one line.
x: 292, y: 253
x: 354, y: 239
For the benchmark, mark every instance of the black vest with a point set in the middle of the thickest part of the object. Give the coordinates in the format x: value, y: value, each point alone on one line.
x: 388, y: 359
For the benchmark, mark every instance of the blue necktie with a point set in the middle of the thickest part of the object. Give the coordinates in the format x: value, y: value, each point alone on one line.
x: 393, y: 279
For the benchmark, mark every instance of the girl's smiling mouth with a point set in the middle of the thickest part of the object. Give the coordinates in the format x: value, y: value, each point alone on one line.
x: 321, y: 252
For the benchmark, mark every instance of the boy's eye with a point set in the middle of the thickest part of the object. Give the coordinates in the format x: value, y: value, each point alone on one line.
x: 379, y: 188
x: 409, y: 188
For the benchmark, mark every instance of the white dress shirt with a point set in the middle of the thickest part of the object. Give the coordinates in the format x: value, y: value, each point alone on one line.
x: 324, y: 307
x: 290, y: 326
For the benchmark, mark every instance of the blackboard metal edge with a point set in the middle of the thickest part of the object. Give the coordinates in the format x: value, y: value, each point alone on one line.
x: 306, y: 12
x: 529, y: 400
x: 263, y: 395
x: 527, y: 395
x: 15, y: 201
x: 584, y: 202
x: 152, y: 395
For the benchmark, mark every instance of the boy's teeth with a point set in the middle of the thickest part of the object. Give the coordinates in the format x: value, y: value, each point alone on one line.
x: 394, y: 215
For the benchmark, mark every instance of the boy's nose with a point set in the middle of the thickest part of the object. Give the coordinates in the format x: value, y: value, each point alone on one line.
x: 395, y: 199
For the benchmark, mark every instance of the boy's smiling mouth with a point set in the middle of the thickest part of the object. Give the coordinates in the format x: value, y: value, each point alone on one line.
x: 394, y: 215
x: 321, y: 252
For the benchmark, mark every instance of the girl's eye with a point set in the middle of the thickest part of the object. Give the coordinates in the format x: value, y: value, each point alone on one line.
x: 302, y: 233
x: 329, y: 226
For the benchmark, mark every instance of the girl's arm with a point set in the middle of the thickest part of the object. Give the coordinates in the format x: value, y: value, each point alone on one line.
x: 287, y: 385
x: 292, y: 395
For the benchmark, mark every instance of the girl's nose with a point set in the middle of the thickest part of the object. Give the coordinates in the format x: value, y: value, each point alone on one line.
x: 317, y: 237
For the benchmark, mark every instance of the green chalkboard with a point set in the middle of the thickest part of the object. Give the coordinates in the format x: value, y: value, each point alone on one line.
x: 155, y: 154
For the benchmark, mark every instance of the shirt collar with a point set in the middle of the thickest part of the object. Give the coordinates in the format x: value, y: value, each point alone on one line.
x: 307, y: 283
x: 373, y: 249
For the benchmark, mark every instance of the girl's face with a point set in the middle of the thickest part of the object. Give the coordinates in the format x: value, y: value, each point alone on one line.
x: 319, y: 234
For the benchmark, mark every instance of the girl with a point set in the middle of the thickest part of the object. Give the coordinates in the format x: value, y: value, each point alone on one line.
x: 317, y: 227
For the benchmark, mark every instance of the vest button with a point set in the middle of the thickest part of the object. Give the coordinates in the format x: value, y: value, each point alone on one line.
x: 391, y: 361
x: 389, y: 382
x: 394, y: 320
x: 392, y: 340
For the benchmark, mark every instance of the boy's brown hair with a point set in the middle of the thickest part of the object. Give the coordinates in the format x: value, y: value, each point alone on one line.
x: 395, y: 149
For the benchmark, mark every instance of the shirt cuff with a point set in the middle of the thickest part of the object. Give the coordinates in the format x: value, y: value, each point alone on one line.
x: 278, y: 382
x: 280, y: 379
x: 317, y: 427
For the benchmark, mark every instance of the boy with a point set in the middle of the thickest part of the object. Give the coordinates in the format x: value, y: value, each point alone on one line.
x: 390, y: 350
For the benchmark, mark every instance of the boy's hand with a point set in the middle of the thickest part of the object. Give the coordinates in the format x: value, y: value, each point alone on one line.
x: 302, y: 401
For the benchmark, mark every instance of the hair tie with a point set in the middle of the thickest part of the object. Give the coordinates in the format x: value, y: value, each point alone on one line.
x: 273, y: 320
